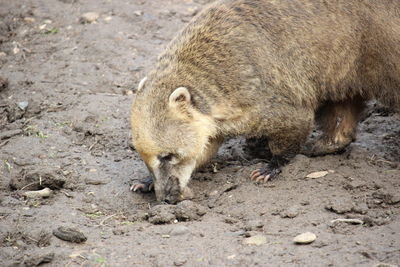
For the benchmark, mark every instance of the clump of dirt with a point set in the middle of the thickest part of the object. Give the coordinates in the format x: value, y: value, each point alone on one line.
x: 184, y: 211
x: 36, y: 178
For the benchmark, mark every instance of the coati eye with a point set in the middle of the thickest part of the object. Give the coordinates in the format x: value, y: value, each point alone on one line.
x: 166, y: 157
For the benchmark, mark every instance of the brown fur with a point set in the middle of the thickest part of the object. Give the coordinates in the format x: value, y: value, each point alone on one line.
x: 263, y: 68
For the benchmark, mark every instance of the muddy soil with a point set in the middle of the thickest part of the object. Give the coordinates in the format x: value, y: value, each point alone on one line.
x: 66, y: 85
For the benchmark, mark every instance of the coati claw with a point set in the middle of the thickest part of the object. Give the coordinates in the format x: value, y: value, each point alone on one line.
x: 270, y: 171
x: 145, y: 185
x: 264, y: 174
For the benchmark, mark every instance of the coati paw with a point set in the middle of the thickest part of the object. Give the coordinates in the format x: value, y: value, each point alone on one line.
x: 270, y: 171
x: 145, y: 185
x: 264, y: 174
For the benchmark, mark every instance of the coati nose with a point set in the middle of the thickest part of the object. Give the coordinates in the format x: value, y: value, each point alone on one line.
x: 170, y: 200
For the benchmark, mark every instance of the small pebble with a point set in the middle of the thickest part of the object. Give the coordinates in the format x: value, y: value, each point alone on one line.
x: 29, y: 19
x: 23, y: 105
x: 319, y: 174
x: 291, y: 212
x: 2, y: 54
x: 46, y: 192
x: 180, y: 262
x: 253, y: 225
x: 179, y: 230
x: 305, y: 238
x: 255, y: 240
x: 89, y: 17
x: 15, y: 50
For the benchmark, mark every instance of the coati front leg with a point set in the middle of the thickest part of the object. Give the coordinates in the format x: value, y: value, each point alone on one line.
x: 338, y: 122
x: 286, y: 134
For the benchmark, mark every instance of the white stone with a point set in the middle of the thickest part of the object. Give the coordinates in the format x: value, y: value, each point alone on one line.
x: 319, y: 174
x: 305, y: 238
x: 46, y: 192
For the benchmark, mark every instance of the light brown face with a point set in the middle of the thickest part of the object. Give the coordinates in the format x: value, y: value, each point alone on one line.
x: 170, y: 165
x: 168, y: 143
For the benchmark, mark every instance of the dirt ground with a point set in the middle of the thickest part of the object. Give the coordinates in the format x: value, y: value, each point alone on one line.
x: 66, y: 86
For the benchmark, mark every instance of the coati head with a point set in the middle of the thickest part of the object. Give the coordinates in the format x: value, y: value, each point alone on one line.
x: 170, y: 135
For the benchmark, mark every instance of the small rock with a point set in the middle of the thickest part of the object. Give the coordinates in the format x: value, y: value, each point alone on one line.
x: 305, y: 238
x: 69, y: 234
x: 23, y: 105
x: 361, y: 208
x: 291, y: 212
x: 255, y: 240
x: 180, y: 262
x: 319, y: 174
x: 2, y: 54
x: 253, y: 225
x: 16, y: 50
x: 346, y: 220
x: 340, y: 206
x: 38, y: 259
x: 29, y: 19
x: 390, y: 197
x: 138, y: 13
x: 96, y: 180
x: 89, y: 17
x: 230, y: 220
x: 179, y: 230
x: 46, y: 192
x: 119, y: 231
x: 108, y: 19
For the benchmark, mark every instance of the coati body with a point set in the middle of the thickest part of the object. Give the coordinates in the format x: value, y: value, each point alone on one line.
x: 265, y: 68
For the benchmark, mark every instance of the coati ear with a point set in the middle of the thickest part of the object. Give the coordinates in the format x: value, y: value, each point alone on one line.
x: 180, y: 96
x: 141, y: 83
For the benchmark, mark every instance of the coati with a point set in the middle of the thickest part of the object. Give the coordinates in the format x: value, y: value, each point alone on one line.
x: 264, y: 68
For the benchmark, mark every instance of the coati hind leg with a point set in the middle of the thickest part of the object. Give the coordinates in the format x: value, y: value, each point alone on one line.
x: 338, y: 122
x: 286, y: 133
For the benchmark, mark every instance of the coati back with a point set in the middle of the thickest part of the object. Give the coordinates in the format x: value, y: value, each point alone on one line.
x: 265, y: 68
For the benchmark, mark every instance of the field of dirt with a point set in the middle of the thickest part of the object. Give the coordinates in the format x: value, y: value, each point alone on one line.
x: 66, y: 85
